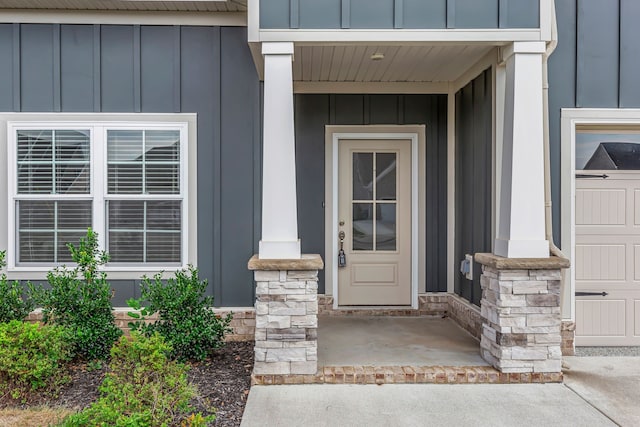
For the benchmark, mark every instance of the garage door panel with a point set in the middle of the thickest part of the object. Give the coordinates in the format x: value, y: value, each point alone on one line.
x: 636, y: 311
x: 600, y: 206
x: 600, y: 262
x: 636, y: 262
x: 600, y: 318
x: 636, y: 206
x: 607, y: 259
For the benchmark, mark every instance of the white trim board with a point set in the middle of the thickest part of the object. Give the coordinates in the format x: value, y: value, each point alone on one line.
x: 29, y: 16
x: 371, y: 87
x: 493, y: 36
x: 570, y: 119
x: 451, y: 190
x: 333, y: 134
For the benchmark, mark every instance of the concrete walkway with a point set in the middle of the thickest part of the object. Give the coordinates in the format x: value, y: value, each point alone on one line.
x: 598, y: 391
x: 395, y: 341
x: 611, y: 384
x: 419, y: 405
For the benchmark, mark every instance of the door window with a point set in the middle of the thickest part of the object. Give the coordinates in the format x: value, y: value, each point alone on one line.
x: 374, y: 201
x: 607, y: 149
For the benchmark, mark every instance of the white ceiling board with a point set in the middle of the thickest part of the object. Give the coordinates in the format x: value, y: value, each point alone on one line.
x: 414, y: 63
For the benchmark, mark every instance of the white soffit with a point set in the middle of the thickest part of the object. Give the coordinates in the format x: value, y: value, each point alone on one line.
x: 130, y: 5
x: 409, y: 63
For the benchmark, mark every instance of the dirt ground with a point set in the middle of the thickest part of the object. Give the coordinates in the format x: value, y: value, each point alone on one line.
x: 223, y: 382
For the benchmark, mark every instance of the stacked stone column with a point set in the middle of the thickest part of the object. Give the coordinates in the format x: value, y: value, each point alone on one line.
x: 286, y: 338
x: 520, y: 308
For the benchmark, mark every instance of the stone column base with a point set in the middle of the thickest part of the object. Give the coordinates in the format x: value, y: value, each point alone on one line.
x: 520, y: 308
x: 286, y: 337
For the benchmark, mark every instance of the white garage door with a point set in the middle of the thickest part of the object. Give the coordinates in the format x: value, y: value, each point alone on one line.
x: 607, y: 263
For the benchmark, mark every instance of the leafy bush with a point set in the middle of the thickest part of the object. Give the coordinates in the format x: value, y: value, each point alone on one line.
x: 185, y: 316
x: 80, y: 299
x: 32, y: 357
x: 142, y: 388
x: 12, y: 305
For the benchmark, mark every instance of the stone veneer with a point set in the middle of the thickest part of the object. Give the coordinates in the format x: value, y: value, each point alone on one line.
x: 568, y: 333
x: 286, y: 334
x: 520, y: 308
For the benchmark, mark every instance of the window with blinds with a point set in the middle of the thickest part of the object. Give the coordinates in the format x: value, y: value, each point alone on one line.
x: 124, y: 181
x: 54, y: 202
x: 143, y: 206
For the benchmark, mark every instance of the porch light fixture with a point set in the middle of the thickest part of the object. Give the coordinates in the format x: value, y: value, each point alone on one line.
x: 377, y: 56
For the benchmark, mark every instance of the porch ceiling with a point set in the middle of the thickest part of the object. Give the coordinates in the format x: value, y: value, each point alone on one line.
x: 408, y: 63
x: 130, y: 5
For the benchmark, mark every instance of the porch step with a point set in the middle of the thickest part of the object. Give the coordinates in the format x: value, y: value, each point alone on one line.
x: 408, y: 375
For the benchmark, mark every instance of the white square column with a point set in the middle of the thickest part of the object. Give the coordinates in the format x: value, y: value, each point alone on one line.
x: 521, y: 228
x: 279, y: 205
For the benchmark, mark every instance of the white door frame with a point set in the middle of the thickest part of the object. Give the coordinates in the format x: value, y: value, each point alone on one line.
x: 333, y: 135
x: 571, y: 118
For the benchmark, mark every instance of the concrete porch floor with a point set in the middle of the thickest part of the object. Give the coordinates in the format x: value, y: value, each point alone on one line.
x: 395, y: 341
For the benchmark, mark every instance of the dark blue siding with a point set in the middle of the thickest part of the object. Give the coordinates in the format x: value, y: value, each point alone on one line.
x: 314, y: 112
x: 422, y: 14
x: 317, y: 14
x: 164, y: 69
x: 475, y: 14
x: 238, y: 121
x: 412, y: 14
x: 117, y: 74
x: 473, y: 178
x: 629, y: 54
x: 6, y: 67
x: 598, y: 53
x: 77, y: 67
x: 158, y: 55
x: 36, y: 66
x: 594, y: 66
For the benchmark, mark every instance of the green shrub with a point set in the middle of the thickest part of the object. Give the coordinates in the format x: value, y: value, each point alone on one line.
x: 185, y: 316
x: 142, y: 387
x: 32, y: 357
x: 80, y: 299
x: 12, y: 304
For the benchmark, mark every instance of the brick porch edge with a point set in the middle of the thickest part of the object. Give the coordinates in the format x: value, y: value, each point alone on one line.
x: 409, y: 375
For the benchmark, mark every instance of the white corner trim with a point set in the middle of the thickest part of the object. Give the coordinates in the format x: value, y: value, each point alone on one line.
x: 571, y: 118
x: 28, y: 16
x: 499, y: 90
x: 253, y: 21
x: 417, y: 136
x: 371, y: 87
x: 546, y: 7
x: 451, y: 190
x: 496, y: 36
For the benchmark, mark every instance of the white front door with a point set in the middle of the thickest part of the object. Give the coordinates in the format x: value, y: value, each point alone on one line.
x: 607, y: 257
x: 374, y: 213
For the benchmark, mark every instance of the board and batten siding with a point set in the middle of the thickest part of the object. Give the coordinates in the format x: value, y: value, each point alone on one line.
x: 474, y: 139
x: 314, y: 112
x: 407, y: 14
x: 595, y: 65
x: 160, y: 69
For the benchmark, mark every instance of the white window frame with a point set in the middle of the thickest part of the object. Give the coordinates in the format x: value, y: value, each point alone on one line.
x: 98, y: 124
x: 571, y: 120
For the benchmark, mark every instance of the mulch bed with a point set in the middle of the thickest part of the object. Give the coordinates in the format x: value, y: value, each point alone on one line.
x: 223, y: 382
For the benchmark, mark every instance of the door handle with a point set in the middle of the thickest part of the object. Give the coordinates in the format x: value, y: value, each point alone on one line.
x: 591, y: 294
